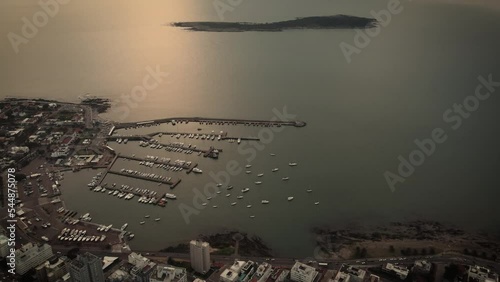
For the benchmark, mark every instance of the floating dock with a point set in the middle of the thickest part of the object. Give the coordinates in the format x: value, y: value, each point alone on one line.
x: 172, y: 183
x: 219, y: 121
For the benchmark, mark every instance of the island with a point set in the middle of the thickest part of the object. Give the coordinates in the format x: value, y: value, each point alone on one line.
x: 317, y: 22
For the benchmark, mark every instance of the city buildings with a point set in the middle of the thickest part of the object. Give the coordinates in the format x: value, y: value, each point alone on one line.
x: 164, y: 273
x: 200, y: 256
x: 480, y: 274
x: 349, y: 273
x: 421, y: 267
x: 303, y: 273
x: 86, y: 268
x: 52, y: 270
x: 399, y: 271
x: 4, y: 247
x: 31, y: 255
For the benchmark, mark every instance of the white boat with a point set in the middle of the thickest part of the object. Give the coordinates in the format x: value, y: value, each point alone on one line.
x: 272, y: 154
x: 248, y: 171
x: 142, y: 222
x: 157, y: 219
x: 227, y: 195
x: 290, y: 198
x: 209, y: 198
x: 197, y: 170
x: 265, y: 201
x: 258, y: 182
x: 309, y: 190
x: 260, y: 174
x: 248, y: 166
x: 239, y: 197
x: 292, y: 164
x: 229, y: 187
x: 170, y: 196
x: 219, y: 185
x: 124, y: 226
x: 234, y: 203
x: 317, y: 203
x: 285, y: 178
x: 245, y: 190
x: 204, y: 204
x: 249, y: 206
x: 252, y: 216
x: 214, y: 207
x: 239, y: 140
x: 218, y: 192
x: 275, y: 169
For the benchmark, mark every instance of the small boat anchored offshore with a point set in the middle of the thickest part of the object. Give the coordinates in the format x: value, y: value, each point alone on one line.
x: 290, y: 198
x: 292, y: 164
x: 285, y: 178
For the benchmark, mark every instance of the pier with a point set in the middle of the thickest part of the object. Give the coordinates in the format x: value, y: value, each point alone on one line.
x: 172, y: 183
x: 183, y: 166
x: 218, y: 121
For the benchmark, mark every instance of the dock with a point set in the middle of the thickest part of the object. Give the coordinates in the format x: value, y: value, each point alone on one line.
x: 209, y: 121
x: 184, y: 166
x: 172, y: 183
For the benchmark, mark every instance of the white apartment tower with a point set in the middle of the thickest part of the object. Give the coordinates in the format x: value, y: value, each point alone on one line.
x: 200, y: 256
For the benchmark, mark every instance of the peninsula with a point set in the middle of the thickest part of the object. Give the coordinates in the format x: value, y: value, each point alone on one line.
x: 318, y: 22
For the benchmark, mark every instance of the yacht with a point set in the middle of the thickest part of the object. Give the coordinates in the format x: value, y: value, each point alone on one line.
x: 239, y: 140
x: 218, y: 192
x: 227, y: 195
x: 272, y: 154
x: 197, y: 170
x: 157, y: 219
x: 124, y: 226
x: 142, y: 222
x: 258, y: 182
x: 275, y: 169
x: 252, y: 216
x: 248, y: 171
x: 209, y: 198
x: 245, y: 190
x: 214, y: 207
x: 248, y: 166
x: 265, y: 202
x: 309, y: 190
x: 234, y: 203
x: 204, y: 204
x: 229, y: 187
x: 285, y: 178
x: 260, y: 174
x: 292, y: 164
x: 170, y: 196
x: 317, y: 203
x: 146, y: 216
x: 219, y: 185
x: 249, y: 206
x: 290, y: 198
x: 239, y: 197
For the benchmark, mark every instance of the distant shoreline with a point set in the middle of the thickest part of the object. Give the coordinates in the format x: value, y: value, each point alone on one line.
x: 319, y: 22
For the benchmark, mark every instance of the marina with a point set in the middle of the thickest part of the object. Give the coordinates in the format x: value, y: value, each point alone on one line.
x: 210, y: 121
